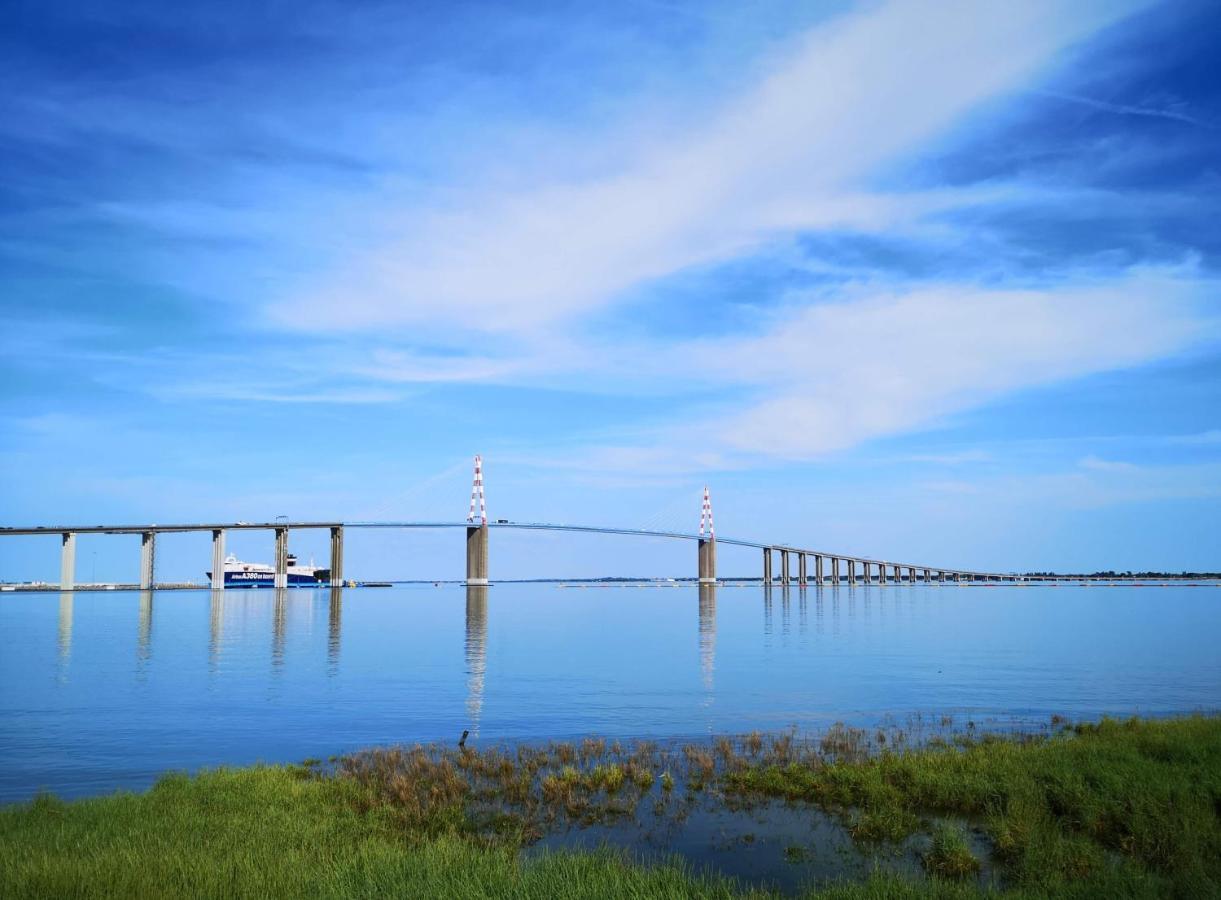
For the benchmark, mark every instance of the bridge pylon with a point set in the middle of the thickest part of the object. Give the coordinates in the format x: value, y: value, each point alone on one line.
x: 707, y: 545
x: 477, y: 531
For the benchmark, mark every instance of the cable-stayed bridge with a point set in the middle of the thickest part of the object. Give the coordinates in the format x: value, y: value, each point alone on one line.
x: 802, y: 565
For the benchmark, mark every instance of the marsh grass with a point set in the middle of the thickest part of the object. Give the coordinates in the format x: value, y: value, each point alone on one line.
x: 1128, y: 808
x: 1134, y: 802
x: 949, y: 856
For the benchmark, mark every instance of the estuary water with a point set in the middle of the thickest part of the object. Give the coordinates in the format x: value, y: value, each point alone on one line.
x: 108, y: 690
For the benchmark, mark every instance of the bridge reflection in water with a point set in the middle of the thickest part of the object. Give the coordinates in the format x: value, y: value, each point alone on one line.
x: 64, y: 638
x: 216, y: 630
x: 707, y: 614
x: 476, y: 652
x: 144, y: 636
x: 229, y: 609
x: 334, y: 625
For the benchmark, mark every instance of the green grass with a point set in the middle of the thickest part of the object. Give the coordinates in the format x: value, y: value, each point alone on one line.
x: 272, y: 832
x: 1132, y: 807
x: 949, y: 856
x: 1123, y: 809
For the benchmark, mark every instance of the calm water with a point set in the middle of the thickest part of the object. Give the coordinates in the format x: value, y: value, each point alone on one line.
x: 106, y: 690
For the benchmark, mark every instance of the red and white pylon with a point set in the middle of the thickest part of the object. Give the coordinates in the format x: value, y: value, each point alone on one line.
x: 477, y: 491
x: 706, y: 516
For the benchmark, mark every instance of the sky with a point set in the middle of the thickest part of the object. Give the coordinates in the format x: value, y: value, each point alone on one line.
x: 920, y: 281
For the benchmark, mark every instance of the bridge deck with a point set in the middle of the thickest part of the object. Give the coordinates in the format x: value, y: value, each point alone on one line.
x: 537, y: 526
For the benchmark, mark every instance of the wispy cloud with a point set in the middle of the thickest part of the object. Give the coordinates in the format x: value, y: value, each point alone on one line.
x: 253, y: 393
x: 791, y: 151
x: 1106, y: 465
x: 1128, y: 109
x: 877, y: 362
x: 843, y: 373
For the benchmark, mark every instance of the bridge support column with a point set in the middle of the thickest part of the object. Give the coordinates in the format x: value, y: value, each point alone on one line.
x: 281, y: 578
x: 835, y: 570
x: 218, y: 559
x: 707, y: 560
x: 801, y: 569
x: 477, y: 554
x: 865, y: 572
x: 148, y: 560
x: 881, y: 573
x: 851, y: 571
x: 336, y: 556
x: 784, y: 567
x: 911, y: 575
x: 767, y: 565
x: 958, y: 577
x: 818, y: 576
x: 67, y: 562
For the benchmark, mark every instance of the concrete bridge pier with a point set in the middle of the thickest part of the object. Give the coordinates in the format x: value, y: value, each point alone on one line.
x: 865, y: 571
x: 881, y: 573
x: 477, y: 554
x: 67, y: 562
x: 281, y: 578
x: 958, y: 577
x: 818, y: 575
x: 767, y: 565
x: 851, y: 571
x: 218, y: 559
x: 784, y: 567
x: 148, y: 560
x: 801, y: 569
x: 911, y: 575
x: 835, y: 570
x: 707, y: 560
x: 337, y: 556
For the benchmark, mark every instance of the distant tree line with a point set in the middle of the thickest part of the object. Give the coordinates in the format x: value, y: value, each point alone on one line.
x: 1191, y: 576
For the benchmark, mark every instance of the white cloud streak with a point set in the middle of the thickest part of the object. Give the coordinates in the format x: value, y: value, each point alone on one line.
x: 1127, y: 109
x: 839, y: 374
x: 789, y: 151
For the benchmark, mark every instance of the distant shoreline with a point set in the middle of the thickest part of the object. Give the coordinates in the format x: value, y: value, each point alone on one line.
x: 1143, y: 579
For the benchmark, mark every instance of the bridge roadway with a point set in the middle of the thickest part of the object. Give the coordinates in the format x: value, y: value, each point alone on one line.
x: 477, y: 550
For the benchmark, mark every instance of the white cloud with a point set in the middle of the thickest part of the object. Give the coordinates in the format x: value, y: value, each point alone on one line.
x: 1127, y: 109
x: 838, y: 374
x: 501, y: 288
x: 1099, y: 487
x: 789, y: 151
x: 879, y: 363
x: 1106, y: 465
x: 1204, y: 438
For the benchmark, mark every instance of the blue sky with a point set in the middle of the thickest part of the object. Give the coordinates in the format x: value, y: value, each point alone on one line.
x: 933, y: 282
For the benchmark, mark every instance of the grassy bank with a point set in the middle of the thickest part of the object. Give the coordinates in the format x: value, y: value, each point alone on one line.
x: 1121, y: 808
x: 1115, y: 808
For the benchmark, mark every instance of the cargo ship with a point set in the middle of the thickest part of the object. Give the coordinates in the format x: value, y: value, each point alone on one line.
x: 252, y: 575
